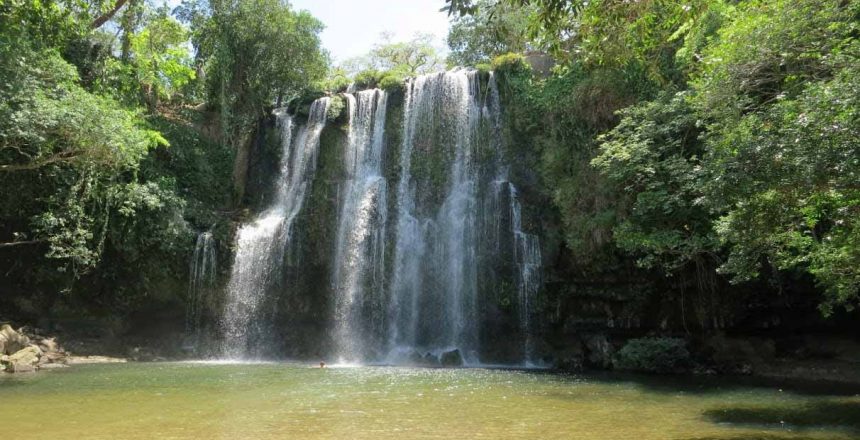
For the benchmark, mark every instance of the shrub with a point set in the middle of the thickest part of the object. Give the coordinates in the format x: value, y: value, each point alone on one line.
x: 390, y: 83
x: 367, y: 79
x: 513, y: 62
x: 335, y: 108
x: 653, y: 355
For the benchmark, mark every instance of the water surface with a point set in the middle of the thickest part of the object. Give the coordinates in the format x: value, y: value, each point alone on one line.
x: 291, y: 401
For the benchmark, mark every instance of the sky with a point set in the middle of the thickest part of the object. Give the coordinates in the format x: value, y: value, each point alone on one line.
x: 353, y: 27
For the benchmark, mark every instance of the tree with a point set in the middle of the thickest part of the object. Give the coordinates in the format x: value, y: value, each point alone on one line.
x: 255, y: 51
x: 161, y: 58
x: 492, y: 30
x: 782, y: 124
x: 66, y: 148
x: 406, y: 58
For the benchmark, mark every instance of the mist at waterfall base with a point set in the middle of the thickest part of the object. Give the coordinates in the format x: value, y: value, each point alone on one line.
x: 415, y: 258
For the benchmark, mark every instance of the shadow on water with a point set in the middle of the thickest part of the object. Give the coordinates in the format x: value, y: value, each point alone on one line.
x: 704, y: 385
x: 831, y: 413
x: 759, y: 437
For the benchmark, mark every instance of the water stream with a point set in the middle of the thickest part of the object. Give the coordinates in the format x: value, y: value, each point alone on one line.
x: 261, y: 243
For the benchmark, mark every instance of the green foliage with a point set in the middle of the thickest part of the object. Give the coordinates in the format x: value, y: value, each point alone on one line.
x: 368, y: 78
x: 257, y: 52
x: 794, y: 41
x: 653, y: 159
x: 783, y: 124
x: 389, y: 63
x: 47, y: 118
x: 94, y: 203
x: 387, y: 80
x: 337, y: 80
x: 653, y: 355
x: 726, y: 156
x: 794, y: 167
x: 562, y: 118
x: 161, y: 59
x: 201, y: 167
x: 510, y: 62
x: 493, y: 29
x: 42, y: 24
x: 406, y: 58
x: 391, y: 83
x: 81, y: 145
x: 336, y: 108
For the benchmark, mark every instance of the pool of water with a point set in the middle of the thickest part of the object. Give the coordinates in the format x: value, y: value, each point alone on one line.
x: 292, y: 401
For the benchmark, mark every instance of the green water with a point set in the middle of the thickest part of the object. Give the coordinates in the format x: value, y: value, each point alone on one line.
x: 287, y: 401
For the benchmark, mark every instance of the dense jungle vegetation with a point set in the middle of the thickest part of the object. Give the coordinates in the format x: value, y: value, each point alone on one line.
x: 708, y: 144
x: 124, y: 127
x: 713, y: 142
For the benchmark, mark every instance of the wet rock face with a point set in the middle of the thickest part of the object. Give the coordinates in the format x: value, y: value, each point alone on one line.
x: 599, y: 351
x: 451, y: 358
x: 571, y: 357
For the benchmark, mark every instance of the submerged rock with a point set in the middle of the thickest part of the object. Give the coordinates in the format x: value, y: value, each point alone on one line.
x: 76, y: 360
x: 451, y: 358
x: 52, y: 366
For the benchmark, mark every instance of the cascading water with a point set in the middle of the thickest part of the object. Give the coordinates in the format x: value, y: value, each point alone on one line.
x: 525, y: 247
x: 360, y: 252
x: 261, y: 243
x: 433, y: 302
x: 201, y: 282
x: 527, y: 256
x: 457, y: 265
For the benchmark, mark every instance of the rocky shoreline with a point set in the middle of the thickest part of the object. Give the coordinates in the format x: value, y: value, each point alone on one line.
x: 28, y: 350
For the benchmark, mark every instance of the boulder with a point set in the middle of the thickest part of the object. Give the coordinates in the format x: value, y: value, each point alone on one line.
x: 52, y: 357
x: 599, y: 351
x: 22, y: 360
x: 49, y: 345
x: 451, y: 358
x: 11, y: 341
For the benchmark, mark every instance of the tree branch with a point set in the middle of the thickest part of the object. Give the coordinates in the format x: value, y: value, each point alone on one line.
x: 102, y: 19
x: 65, y: 156
x: 18, y: 243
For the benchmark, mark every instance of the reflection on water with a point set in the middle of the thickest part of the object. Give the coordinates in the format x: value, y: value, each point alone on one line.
x: 269, y: 401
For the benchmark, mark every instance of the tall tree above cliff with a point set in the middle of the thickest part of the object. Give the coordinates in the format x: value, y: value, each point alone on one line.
x: 493, y: 29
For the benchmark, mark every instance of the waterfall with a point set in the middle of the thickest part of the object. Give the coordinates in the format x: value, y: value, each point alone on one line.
x: 433, y: 302
x: 261, y: 243
x: 431, y: 249
x: 201, y: 282
x: 525, y: 247
x: 527, y: 256
x: 360, y: 247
